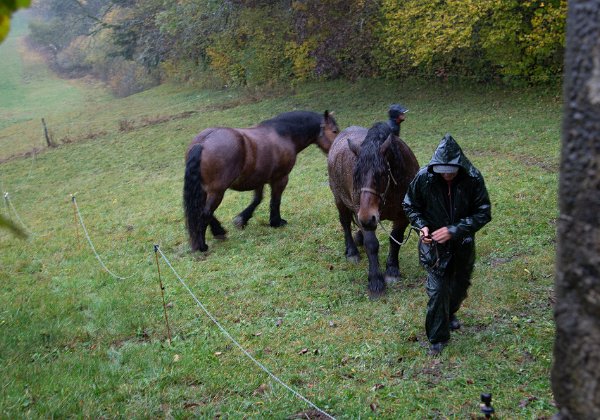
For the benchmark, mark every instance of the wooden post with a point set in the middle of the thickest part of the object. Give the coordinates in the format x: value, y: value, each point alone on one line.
x: 47, y: 135
x: 162, y: 292
x: 76, y: 221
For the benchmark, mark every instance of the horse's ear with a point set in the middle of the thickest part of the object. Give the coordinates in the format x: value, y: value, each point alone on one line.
x: 386, y: 145
x: 354, y: 145
x: 328, y: 115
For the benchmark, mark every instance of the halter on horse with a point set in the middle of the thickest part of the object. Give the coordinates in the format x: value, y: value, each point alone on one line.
x: 381, y: 168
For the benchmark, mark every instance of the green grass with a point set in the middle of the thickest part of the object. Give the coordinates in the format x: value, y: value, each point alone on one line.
x: 75, y: 342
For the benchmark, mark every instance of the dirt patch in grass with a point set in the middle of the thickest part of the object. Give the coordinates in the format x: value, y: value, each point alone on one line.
x: 431, y: 372
x: 88, y: 136
x: 34, y: 151
x: 65, y: 140
x: 547, y: 164
x: 143, y: 337
x: 495, y: 262
x: 130, y: 125
x: 533, y: 161
x: 309, y: 414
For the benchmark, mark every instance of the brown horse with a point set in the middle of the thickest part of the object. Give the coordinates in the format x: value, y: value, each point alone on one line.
x: 369, y: 173
x: 246, y: 159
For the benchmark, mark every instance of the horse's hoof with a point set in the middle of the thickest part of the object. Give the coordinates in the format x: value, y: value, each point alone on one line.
x: 392, y: 275
x: 280, y: 223
x: 239, y: 222
x: 376, y: 295
x: 389, y: 280
x: 221, y: 237
x: 353, y: 258
x: 201, y: 248
x: 376, y: 285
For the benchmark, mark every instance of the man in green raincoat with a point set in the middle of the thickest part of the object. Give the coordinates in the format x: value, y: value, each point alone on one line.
x: 448, y: 202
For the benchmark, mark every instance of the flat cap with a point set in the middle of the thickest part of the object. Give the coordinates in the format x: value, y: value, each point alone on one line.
x: 445, y: 169
x: 396, y: 109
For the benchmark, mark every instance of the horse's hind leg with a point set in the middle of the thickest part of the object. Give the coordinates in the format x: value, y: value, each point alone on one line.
x: 207, y: 218
x: 392, y: 271
x: 199, y: 239
x: 241, y: 220
x: 345, y: 215
x: 277, y: 188
x: 216, y: 229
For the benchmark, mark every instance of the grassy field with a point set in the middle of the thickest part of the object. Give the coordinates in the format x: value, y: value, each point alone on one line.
x: 77, y: 342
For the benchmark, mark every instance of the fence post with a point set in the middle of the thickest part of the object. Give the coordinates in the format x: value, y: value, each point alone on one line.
x: 162, y: 292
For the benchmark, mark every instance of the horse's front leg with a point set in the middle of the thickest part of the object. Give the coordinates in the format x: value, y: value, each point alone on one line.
x: 376, y: 283
x: 277, y: 188
x: 392, y: 271
x: 345, y: 215
x: 241, y: 220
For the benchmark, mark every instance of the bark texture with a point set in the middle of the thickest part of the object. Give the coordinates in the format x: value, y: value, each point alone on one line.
x: 576, y: 370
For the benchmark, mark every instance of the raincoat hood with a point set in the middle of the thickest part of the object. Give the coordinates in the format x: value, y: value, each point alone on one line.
x: 449, y: 152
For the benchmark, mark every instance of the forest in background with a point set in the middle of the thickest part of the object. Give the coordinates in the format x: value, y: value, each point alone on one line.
x: 135, y: 44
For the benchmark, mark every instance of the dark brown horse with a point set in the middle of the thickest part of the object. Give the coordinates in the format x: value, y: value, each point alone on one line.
x: 369, y: 173
x: 246, y: 159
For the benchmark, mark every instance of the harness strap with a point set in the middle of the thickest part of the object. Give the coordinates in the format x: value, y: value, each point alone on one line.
x: 391, y: 175
x: 387, y: 186
x: 372, y: 191
x: 322, y: 130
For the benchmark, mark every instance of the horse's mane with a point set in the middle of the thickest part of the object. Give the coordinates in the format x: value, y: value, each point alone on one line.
x: 296, y: 124
x: 369, y: 158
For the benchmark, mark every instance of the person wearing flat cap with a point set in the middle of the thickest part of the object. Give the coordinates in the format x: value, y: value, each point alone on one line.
x: 447, y: 202
x: 396, y: 113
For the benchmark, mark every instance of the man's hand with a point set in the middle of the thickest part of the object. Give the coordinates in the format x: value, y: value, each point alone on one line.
x: 424, y: 235
x: 441, y: 235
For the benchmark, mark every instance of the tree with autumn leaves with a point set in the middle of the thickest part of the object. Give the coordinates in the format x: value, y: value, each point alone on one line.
x: 7, y: 8
x: 252, y: 43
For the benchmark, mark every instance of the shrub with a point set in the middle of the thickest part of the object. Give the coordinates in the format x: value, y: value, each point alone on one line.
x: 128, y: 77
x: 71, y: 61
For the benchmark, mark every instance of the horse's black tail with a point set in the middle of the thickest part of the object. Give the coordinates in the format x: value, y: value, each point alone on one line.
x: 194, y: 198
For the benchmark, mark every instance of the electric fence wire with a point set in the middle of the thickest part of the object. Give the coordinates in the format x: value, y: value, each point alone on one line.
x: 191, y: 106
x: 9, y: 205
x: 92, y: 245
x: 5, y: 201
x: 238, y: 345
x: 32, y: 164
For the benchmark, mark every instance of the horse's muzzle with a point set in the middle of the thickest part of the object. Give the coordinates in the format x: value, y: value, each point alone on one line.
x: 368, y: 221
x: 368, y: 210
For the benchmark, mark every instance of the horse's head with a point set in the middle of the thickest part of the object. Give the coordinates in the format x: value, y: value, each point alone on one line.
x: 372, y: 173
x: 329, y: 130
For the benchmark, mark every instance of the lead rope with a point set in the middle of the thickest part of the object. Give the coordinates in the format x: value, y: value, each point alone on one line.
x: 433, y: 244
x: 394, y: 239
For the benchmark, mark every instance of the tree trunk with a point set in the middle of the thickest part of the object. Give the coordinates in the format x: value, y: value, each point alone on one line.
x: 576, y: 370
